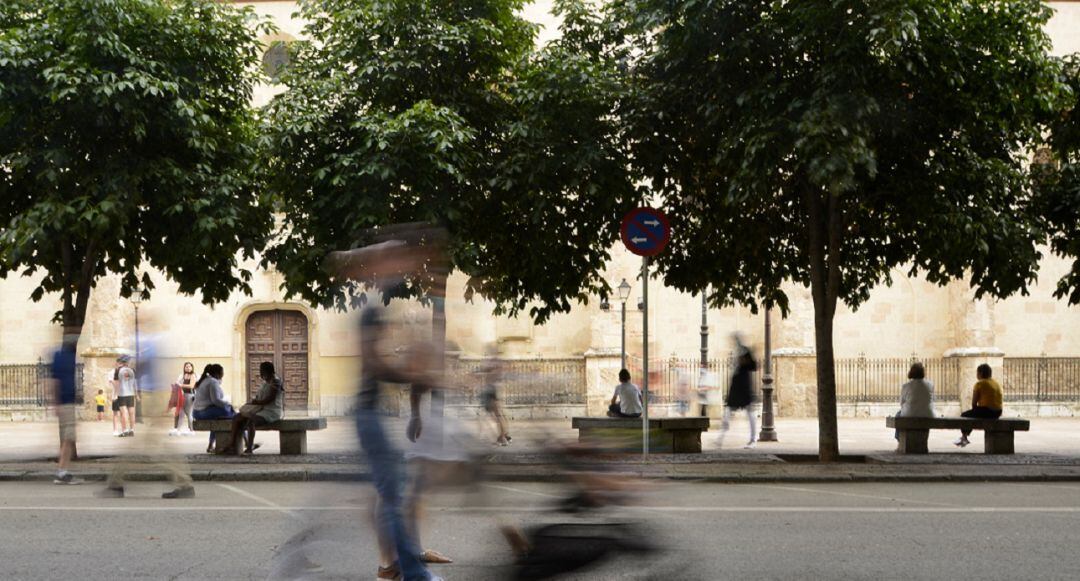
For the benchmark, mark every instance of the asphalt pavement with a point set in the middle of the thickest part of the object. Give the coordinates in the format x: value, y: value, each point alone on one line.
x: 238, y: 530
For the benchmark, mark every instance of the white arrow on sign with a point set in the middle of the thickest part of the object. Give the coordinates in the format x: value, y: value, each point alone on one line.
x: 639, y: 240
x: 653, y: 223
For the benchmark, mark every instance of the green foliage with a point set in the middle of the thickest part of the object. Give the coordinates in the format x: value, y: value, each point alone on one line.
x: 126, y: 136
x: 897, y: 129
x: 1059, y: 185
x: 440, y: 111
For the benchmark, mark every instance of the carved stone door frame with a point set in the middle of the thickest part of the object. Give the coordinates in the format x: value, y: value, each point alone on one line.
x: 238, y: 375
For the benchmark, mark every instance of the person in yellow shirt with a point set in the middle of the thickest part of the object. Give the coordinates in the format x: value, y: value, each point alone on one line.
x: 99, y: 400
x: 986, y: 401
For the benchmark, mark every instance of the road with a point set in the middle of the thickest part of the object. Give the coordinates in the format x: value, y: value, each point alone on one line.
x: 711, y: 531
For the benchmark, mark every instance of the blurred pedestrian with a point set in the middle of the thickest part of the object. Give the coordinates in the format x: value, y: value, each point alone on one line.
x: 682, y: 391
x: 184, y: 391
x: 491, y: 376
x: 626, y: 401
x: 741, y: 393
x: 119, y: 423
x: 153, y: 447
x: 986, y: 401
x: 63, y: 375
x: 708, y: 388
x: 211, y: 403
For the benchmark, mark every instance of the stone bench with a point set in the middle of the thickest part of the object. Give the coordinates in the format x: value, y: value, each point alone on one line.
x: 670, y: 435
x: 292, y: 432
x: 997, y: 434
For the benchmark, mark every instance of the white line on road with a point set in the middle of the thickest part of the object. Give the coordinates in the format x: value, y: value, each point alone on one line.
x: 856, y: 495
x: 673, y: 509
x: 521, y: 491
x: 256, y: 498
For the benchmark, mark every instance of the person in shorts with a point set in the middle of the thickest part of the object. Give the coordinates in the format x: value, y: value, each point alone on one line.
x: 126, y: 388
x: 63, y: 375
x: 266, y: 408
x: 99, y: 402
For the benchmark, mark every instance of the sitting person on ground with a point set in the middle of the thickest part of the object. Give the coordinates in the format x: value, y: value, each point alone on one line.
x: 266, y: 408
x: 916, y: 396
x: 626, y: 402
x: 211, y: 403
x: 986, y: 401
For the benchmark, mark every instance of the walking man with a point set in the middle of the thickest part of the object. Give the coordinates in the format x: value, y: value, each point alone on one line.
x: 126, y: 387
x: 63, y: 375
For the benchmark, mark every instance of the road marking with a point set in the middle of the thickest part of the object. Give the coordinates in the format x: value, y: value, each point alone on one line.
x: 256, y: 498
x: 522, y: 491
x: 857, y: 495
x: 1040, y: 484
x: 504, y: 509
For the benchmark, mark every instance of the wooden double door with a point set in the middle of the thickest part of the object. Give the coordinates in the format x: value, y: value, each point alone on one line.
x: 280, y: 337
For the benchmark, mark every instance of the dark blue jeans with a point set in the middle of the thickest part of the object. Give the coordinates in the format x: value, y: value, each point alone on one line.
x: 214, y: 413
x: 387, y: 467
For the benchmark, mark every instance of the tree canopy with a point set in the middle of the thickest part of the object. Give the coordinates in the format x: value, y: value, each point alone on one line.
x: 127, y: 141
x: 830, y: 143
x: 444, y: 112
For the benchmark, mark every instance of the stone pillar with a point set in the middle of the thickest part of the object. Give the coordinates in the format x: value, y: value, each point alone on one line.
x: 795, y: 381
x: 601, y: 377
x: 968, y: 359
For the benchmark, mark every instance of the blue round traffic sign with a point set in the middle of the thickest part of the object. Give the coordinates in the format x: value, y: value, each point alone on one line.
x: 645, y: 231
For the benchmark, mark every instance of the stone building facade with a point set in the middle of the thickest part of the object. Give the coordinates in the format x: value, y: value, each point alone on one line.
x: 319, y: 348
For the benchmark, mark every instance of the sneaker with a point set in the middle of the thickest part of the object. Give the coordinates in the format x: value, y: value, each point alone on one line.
x: 961, y: 442
x: 116, y: 433
x: 110, y: 492
x: 129, y: 434
x: 750, y: 445
x: 187, y: 432
x: 182, y: 492
x: 68, y: 478
x: 174, y: 432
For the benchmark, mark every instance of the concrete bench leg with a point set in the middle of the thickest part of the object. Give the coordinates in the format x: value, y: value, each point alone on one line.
x: 686, y: 441
x: 221, y: 440
x: 293, y: 443
x: 998, y: 442
x: 914, y: 441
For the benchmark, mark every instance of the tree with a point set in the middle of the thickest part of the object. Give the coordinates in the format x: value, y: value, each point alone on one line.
x: 443, y: 112
x: 1058, y: 202
x: 127, y: 139
x: 829, y: 143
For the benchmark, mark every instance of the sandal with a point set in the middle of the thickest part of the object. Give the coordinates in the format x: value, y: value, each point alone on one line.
x: 389, y: 572
x: 435, y: 557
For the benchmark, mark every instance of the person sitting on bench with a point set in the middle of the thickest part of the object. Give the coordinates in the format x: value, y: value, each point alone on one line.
x: 626, y: 402
x: 986, y: 401
x: 266, y: 408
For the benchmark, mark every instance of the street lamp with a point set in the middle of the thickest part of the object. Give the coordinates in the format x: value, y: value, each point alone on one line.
x: 768, y: 430
x: 624, y: 293
x: 136, y: 300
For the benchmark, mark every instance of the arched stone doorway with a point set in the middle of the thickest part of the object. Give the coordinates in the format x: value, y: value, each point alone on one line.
x: 281, y: 337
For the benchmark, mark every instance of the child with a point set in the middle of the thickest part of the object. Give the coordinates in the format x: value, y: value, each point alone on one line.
x: 99, y: 399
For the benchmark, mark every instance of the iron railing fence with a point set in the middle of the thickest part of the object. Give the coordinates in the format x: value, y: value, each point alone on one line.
x: 1049, y: 379
x: 878, y: 380
x: 27, y: 384
x: 521, y: 381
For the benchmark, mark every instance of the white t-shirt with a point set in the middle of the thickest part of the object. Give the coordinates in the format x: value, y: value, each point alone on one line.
x: 127, y: 382
x: 629, y: 398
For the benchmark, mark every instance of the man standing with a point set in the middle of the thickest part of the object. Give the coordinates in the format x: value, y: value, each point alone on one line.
x: 626, y: 401
x: 126, y: 388
x: 986, y: 401
x: 63, y: 374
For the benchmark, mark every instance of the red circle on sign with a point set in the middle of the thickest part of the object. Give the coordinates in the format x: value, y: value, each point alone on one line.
x: 654, y: 243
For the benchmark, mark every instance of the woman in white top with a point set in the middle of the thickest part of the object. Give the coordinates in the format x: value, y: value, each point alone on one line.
x: 185, y: 400
x: 916, y: 396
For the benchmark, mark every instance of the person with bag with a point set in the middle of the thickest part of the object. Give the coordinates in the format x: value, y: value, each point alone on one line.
x: 211, y: 403
x: 182, y: 400
x: 266, y: 408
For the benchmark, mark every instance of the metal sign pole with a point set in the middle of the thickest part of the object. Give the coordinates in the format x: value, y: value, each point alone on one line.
x: 645, y: 356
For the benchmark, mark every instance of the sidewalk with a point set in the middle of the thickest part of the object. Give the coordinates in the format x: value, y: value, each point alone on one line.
x: 1048, y: 452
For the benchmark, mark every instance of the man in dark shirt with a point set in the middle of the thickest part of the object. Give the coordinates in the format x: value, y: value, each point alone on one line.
x: 63, y: 375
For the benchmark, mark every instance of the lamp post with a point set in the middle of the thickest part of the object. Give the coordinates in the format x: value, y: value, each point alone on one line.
x: 704, y: 330
x: 768, y: 431
x: 624, y: 293
x: 136, y: 300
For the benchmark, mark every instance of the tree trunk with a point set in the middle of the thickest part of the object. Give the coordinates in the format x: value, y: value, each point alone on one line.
x: 823, y: 231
